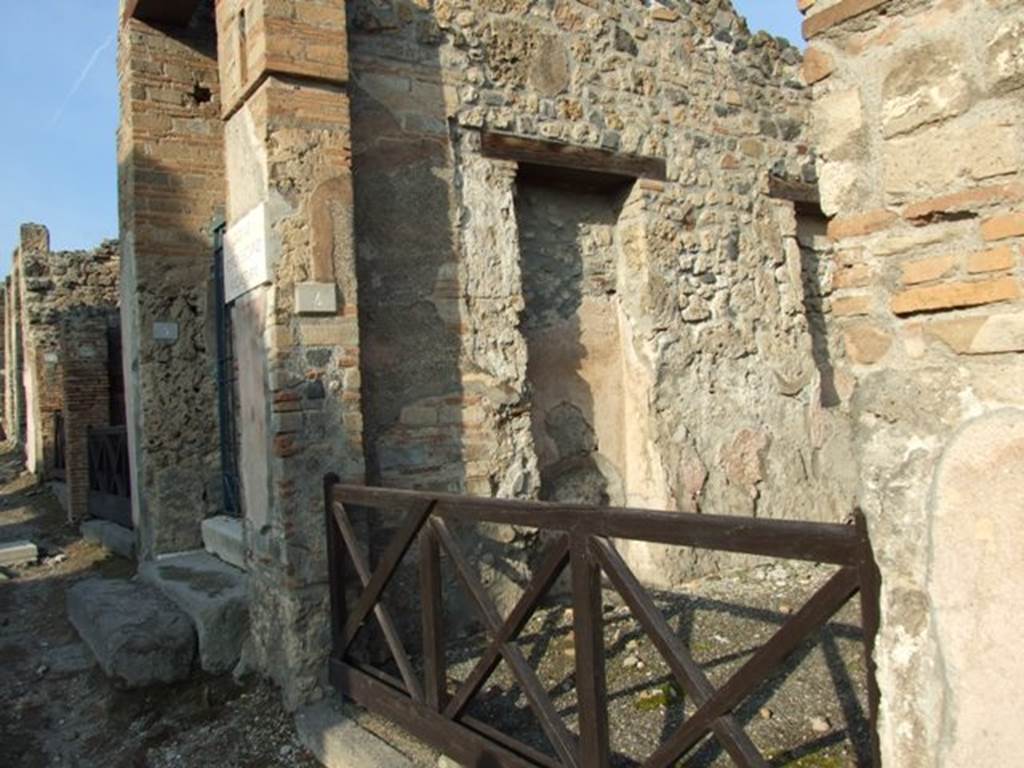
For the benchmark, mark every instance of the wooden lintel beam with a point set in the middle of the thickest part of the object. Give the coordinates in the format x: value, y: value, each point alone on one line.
x: 504, y: 146
x: 177, y: 13
x: 794, y: 191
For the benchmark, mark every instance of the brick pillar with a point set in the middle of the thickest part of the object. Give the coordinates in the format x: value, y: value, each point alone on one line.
x: 291, y: 273
x: 918, y: 115
x: 86, y: 394
x: 171, y: 191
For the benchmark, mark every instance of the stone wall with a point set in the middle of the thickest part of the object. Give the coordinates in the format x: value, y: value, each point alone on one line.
x: 722, y: 373
x: 14, y: 399
x: 918, y: 120
x: 171, y: 192
x: 3, y: 353
x: 51, y: 286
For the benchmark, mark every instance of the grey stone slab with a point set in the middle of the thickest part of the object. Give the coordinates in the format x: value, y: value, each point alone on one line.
x: 339, y: 742
x: 69, y: 659
x: 111, y: 536
x: 136, y: 634
x: 223, y: 536
x: 18, y: 553
x: 215, y: 597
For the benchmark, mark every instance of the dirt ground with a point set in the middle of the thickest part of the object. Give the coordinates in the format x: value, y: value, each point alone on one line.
x: 57, y: 708
x: 809, y: 715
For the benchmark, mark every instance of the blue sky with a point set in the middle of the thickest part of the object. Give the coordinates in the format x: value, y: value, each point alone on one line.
x: 59, y: 90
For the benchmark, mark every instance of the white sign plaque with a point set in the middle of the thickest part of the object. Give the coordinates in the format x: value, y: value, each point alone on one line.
x: 245, y: 254
x: 165, y: 333
x: 316, y: 299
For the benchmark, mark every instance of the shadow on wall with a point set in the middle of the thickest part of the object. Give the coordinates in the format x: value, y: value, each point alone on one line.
x: 811, y: 228
x: 410, y: 295
x: 571, y: 326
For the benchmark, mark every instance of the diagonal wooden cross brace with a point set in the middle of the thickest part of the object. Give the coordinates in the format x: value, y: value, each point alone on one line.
x: 374, y: 587
x: 688, y: 674
x: 376, y: 583
x: 822, y: 605
x: 561, y: 740
x: 552, y: 563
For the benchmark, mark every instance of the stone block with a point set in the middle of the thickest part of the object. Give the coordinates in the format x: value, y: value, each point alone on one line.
x: 817, y: 65
x: 852, y: 276
x: 18, y: 553
x: 111, y: 536
x: 954, y: 295
x: 1003, y: 227
x: 224, y: 538
x: 996, y: 260
x: 835, y: 13
x: 976, y: 606
x: 839, y: 123
x: 861, y: 224
x: 212, y: 594
x: 964, y: 202
x: 924, y: 85
x: 339, y: 742
x: 849, y: 306
x: 1004, y: 59
x: 925, y: 270
x: 932, y: 162
x: 983, y: 335
x: 866, y: 343
x: 138, y: 636
x: 330, y: 333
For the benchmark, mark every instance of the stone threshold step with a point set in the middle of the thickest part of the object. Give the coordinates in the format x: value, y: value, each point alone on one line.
x: 338, y: 741
x: 111, y: 536
x: 18, y: 553
x: 223, y: 537
x: 214, y: 595
x: 136, y: 634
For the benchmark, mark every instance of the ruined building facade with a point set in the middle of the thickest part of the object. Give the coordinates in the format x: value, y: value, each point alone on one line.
x: 576, y: 251
x: 60, y: 315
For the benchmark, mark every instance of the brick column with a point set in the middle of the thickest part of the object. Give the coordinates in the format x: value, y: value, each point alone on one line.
x: 291, y: 274
x: 170, y: 149
x: 918, y: 119
x: 86, y: 388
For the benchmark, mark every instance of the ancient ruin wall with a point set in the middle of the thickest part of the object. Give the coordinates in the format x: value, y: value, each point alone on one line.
x: 171, y: 193
x: 53, y: 285
x: 918, y: 118
x: 14, y: 415
x: 726, y: 380
x: 292, y: 279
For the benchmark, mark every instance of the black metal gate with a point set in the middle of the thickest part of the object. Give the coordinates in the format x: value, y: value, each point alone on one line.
x: 226, y: 382
x: 110, y: 488
x: 60, y: 462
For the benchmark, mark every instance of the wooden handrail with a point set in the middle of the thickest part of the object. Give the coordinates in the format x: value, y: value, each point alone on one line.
x: 788, y: 539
